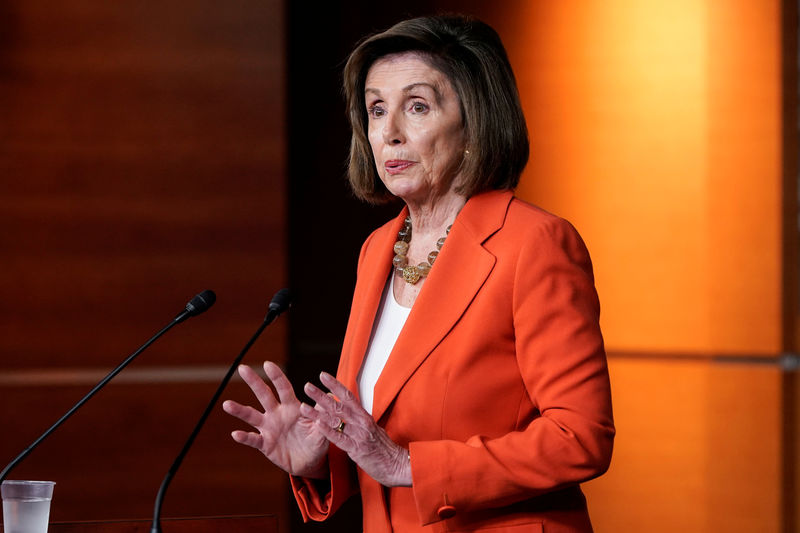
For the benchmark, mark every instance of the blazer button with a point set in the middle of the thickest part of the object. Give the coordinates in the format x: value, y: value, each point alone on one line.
x: 446, y: 511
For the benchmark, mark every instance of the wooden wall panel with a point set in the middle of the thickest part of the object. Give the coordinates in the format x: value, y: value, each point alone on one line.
x: 142, y: 160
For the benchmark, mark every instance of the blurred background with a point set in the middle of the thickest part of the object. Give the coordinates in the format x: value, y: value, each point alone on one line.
x: 151, y: 150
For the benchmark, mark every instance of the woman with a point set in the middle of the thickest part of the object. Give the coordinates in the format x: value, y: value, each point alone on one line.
x: 472, y: 391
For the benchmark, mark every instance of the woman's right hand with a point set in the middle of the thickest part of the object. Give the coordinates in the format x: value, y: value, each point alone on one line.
x: 287, y: 438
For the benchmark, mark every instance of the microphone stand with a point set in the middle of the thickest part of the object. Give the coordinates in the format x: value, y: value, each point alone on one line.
x: 197, y: 305
x: 280, y: 302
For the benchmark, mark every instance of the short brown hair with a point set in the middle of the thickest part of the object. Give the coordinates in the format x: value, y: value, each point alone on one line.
x: 471, y: 55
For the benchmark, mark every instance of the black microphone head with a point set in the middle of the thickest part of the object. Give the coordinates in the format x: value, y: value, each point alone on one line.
x: 201, y: 303
x: 281, y: 301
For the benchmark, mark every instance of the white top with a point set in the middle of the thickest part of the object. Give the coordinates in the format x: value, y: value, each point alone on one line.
x: 389, y: 323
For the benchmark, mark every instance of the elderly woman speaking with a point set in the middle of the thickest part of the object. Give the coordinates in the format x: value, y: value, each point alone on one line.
x: 472, y: 391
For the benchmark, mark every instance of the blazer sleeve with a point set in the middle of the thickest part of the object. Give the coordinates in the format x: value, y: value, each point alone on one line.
x: 319, y: 500
x: 559, y: 350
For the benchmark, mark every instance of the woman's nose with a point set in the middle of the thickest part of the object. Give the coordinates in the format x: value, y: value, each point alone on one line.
x: 393, y: 129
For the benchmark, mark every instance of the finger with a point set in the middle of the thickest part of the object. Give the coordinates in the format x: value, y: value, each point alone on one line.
x: 326, y: 410
x: 338, y: 438
x: 330, y: 423
x: 346, y: 440
x: 244, y: 413
x: 260, y: 389
x: 313, y: 413
x: 254, y: 440
x: 349, y: 409
x: 359, y: 424
x: 348, y: 404
x: 281, y: 383
x: 326, y: 422
x: 337, y: 388
x: 324, y: 401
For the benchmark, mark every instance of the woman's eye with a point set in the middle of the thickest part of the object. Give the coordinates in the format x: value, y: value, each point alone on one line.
x: 375, y: 111
x: 419, y: 107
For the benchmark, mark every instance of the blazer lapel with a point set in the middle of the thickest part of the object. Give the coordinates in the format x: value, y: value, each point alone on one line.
x: 372, y: 276
x: 458, y: 274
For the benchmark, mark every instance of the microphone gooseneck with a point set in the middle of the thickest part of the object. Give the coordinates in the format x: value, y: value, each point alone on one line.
x: 279, y: 303
x: 206, y: 300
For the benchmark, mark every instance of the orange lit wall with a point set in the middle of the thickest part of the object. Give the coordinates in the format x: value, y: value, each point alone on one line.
x: 658, y: 129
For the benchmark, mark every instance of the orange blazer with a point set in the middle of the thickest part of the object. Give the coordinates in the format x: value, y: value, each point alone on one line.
x: 497, y: 384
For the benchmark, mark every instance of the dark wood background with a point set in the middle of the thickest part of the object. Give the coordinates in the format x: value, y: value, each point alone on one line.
x: 142, y: 160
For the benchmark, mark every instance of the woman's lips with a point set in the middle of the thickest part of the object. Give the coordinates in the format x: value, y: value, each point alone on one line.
x: 395, y: 166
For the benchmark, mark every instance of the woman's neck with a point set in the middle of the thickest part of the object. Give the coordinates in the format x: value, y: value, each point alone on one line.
x: 429, y: 223
x: 433, y: 217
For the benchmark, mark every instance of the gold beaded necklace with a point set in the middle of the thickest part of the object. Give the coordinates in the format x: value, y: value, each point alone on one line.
x: 411, y: 273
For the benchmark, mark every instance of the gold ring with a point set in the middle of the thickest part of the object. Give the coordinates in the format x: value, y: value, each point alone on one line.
x: 340, y: 427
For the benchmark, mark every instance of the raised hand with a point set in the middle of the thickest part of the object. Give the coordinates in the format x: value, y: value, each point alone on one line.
x: 289, y: 439
x: 342, y: 420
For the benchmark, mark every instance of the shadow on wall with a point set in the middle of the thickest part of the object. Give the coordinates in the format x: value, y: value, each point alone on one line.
x: 9, y: 36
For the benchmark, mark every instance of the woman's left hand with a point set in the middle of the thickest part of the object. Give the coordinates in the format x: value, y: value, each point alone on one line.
x: 346, y: 424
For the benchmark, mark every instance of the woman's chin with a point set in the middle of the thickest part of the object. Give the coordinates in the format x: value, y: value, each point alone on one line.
x: 406, y: 189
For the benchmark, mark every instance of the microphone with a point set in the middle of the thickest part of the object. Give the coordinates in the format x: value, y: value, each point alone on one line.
x: 196, y: 305
x: 279, y: 303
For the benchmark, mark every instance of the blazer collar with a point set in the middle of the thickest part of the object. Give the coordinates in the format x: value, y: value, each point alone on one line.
x: 459, y: 272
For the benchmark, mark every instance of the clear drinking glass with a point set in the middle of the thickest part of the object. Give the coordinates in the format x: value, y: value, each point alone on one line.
x: 26, y: 506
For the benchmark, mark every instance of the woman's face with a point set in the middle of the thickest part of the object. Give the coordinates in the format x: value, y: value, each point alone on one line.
x: 415, y: 127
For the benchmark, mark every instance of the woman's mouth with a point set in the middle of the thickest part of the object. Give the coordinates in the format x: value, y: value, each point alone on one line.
x: 395, y: 166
